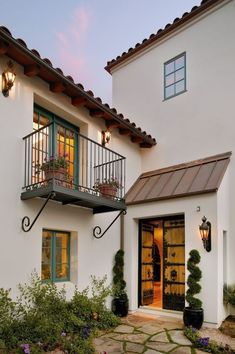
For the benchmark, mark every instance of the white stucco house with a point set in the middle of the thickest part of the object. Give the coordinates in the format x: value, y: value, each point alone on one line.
x: 178, y: 87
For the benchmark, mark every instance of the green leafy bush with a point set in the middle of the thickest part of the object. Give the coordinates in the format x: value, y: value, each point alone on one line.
x: 193, y: 279
x: 41, y: 319
x: 229, y: 295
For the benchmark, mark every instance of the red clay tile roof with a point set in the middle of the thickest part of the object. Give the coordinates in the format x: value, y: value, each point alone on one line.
x: 34, y: 65
x: 169, y: 28
x: 196, y: 177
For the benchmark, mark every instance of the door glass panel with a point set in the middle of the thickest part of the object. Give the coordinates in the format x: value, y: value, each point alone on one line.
x: 174, y: 265
x: 146, y: 264
x: 40, y: 144
x: 66, y: 148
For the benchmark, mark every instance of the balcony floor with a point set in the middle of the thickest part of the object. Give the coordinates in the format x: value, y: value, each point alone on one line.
x: 70, y: 196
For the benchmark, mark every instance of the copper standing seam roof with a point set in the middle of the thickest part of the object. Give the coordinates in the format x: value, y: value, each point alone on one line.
x: 196, y: 177
x: 169, y: 28
x: 34, y: 65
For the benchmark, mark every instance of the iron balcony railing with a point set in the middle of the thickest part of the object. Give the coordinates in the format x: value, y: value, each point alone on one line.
x: 58, y: 153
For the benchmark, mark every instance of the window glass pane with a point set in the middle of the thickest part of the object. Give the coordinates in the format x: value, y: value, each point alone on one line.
x: 169, y: 91
x: 179, y: 75
x: 62, y: 259
x: 62, y: 271
x: 169, y: 68
x: 179, y: 63
x: 170, y: 79
x: 46, y: 255
x: 39, y: 121
x: 179, y: 86
x: 46, y: 272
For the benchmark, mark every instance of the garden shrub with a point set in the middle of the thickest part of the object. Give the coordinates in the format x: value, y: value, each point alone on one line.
x: 229, y: 295
x: 41, y: 319
x: 193, y: 279
x: 205, y: 343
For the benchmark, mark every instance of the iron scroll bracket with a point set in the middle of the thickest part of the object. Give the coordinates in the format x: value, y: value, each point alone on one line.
x: 26, y: 226
x: 97, y: 232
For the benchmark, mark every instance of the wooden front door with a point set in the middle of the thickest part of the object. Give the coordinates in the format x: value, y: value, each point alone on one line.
x: 170, y: 276
x: 174, y: 264
x: 146, y: 264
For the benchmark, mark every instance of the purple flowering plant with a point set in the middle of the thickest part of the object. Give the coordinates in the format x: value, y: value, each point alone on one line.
x: 26, y: 348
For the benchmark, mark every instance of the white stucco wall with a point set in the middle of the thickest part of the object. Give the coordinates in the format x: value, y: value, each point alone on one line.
x: 20, y: 253
x: 195, y: 124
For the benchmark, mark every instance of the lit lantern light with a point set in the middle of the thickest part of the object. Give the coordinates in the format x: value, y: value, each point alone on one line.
x: 8, y: 79
x: 106, y: 136
x: 205, y: 232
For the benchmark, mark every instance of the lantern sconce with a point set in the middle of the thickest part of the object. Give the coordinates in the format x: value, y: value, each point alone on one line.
x: 205, y: 232
x: 106, y: 136
x: 8, y: 79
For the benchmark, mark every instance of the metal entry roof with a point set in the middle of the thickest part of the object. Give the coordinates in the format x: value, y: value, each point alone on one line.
x: 196, y: 177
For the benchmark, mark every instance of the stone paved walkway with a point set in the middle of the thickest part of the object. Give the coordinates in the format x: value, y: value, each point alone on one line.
x: 145, y: 334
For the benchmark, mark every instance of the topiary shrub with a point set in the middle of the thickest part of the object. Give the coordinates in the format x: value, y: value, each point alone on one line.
x: 229, y: 295
x: 193, y: 279
x: 119, y: 284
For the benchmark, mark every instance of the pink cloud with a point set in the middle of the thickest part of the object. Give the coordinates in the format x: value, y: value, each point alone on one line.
x: 71, y: 46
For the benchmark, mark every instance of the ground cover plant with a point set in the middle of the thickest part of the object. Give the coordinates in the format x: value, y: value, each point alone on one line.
x: 41, y: 320
x: 204, y: 343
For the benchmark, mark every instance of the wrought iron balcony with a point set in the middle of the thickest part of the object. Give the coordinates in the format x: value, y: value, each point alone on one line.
x: 77, y: 169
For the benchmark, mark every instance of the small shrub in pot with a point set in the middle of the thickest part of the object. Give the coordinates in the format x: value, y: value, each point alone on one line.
x: 193, y: 314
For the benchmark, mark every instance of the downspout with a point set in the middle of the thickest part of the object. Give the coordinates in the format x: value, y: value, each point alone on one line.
x: 122, y: 232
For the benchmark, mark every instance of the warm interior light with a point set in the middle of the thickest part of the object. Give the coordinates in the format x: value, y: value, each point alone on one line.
x: 106, y: 136
x: 8, y: 79
x: 205, y: 232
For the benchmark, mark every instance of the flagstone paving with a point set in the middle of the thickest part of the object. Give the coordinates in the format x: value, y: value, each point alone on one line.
x: 152, y: 335
x: 145, y: 334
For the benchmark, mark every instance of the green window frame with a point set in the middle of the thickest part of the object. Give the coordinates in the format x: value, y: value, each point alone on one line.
x: 175, y: 76
x: 45, y: 117
x: 55, y: 265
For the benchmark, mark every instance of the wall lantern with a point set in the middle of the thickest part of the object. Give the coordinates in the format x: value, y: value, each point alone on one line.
x: 8, y: 78
x: 205, y: 231
x: 106, y: 136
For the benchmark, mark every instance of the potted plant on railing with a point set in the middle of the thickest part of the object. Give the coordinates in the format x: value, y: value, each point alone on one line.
x: 108, y: 187
x: 120, y: 303
x: 193, y: 314
x: 56, y: 167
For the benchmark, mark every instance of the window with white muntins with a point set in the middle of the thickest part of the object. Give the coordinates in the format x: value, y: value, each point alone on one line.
x: 175, y: 76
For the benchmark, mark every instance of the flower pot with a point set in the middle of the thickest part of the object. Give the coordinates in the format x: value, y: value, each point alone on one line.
x: 59, y: 174
x: 193, y: 317
x: 108, y: 191
x: 120, y: 307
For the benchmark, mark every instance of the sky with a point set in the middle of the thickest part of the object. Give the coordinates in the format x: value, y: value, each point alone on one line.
x: 80, y: 36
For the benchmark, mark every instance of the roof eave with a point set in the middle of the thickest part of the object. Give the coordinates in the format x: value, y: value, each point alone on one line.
x: 161, y: 33
x: 147, y: 140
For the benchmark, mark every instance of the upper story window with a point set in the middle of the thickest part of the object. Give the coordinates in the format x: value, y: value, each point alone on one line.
x: 175, y: 76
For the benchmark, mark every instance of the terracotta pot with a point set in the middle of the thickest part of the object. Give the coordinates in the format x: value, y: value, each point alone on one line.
x: 108, y: 190
x: 60, y: 174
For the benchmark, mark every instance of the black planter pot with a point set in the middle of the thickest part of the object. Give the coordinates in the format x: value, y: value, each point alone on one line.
x: 120, y: 307
x: 193, y: 317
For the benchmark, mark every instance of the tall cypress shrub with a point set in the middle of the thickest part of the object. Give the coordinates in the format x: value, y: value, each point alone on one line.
x: 118, y: 279
x: 193, y: 280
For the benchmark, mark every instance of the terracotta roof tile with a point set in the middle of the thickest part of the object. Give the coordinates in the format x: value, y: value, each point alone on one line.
x: 186, y: 17
x: 17, y: 50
